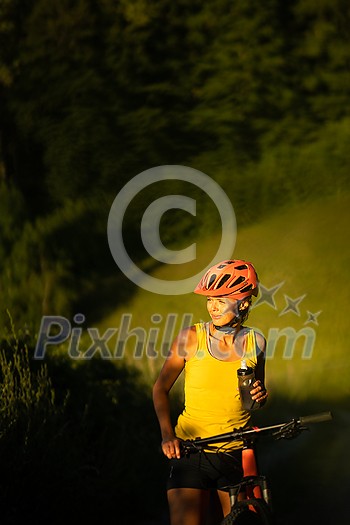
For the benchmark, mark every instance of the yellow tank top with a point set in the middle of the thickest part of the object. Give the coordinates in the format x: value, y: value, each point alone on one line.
x: 212, y: 404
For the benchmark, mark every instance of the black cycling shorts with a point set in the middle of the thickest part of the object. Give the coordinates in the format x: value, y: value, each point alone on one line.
x: 206, y: 470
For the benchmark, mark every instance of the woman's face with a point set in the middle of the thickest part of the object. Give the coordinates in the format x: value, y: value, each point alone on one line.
x: 222, y: 310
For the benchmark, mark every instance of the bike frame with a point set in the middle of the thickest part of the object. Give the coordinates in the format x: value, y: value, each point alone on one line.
x: 254, y: 485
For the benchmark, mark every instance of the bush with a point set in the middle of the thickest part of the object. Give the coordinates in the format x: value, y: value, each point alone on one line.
x: 77, y: 439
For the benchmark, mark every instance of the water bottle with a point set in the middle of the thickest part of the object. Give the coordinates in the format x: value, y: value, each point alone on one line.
x: 246, y: 378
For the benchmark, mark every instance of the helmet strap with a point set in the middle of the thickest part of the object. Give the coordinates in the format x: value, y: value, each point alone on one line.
x: 230, y: 328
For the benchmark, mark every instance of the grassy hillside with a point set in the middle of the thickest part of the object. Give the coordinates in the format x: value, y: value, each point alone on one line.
x: 302, y: 248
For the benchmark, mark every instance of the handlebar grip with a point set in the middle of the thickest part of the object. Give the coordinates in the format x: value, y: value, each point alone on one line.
x: 316, y: 418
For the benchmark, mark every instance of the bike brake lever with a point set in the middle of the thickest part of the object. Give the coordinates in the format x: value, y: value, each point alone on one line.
x: 188, y: 447
x: 289, y: 431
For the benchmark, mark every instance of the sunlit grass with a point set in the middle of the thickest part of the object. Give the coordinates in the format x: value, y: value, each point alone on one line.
x: 305, y: 248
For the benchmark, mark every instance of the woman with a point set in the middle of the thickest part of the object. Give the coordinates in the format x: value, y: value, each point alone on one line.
x: 210, y: 354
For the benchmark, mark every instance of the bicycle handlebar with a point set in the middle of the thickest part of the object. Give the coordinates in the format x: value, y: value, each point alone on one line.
x: 285, y: 430
x: 316, y: 418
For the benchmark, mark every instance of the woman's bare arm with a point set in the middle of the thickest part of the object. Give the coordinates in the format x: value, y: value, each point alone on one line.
x: 181, y: 349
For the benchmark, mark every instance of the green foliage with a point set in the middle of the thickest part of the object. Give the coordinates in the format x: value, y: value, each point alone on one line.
x: 52, y: 261
x: 27, y: 397
x: 12, y: 217
x: 322, y: 54
x: 130, y: 87
x: 77, y: 440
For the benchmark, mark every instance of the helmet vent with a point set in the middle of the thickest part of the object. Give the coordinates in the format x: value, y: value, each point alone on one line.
x: 211, y: 280
x: 241, y: 267
x: 239, y: 280
x: 246, y: 288
x: 223, y: 280
x: 224, y: 264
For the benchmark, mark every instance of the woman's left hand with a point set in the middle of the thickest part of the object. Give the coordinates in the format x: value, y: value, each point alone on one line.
x: 259, y: 393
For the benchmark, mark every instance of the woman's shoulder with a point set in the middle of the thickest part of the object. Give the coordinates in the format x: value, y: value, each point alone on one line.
x: 186, y: 341
x: 256, y: 335
x: 187, y: 335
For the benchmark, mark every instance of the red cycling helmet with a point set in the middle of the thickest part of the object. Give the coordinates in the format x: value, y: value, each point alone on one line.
x: 233, y: 278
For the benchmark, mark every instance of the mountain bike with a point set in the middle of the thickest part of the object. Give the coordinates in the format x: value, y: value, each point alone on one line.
x: 250, y: 499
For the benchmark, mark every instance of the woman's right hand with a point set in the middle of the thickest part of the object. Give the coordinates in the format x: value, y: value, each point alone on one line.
x: 171, y: 447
